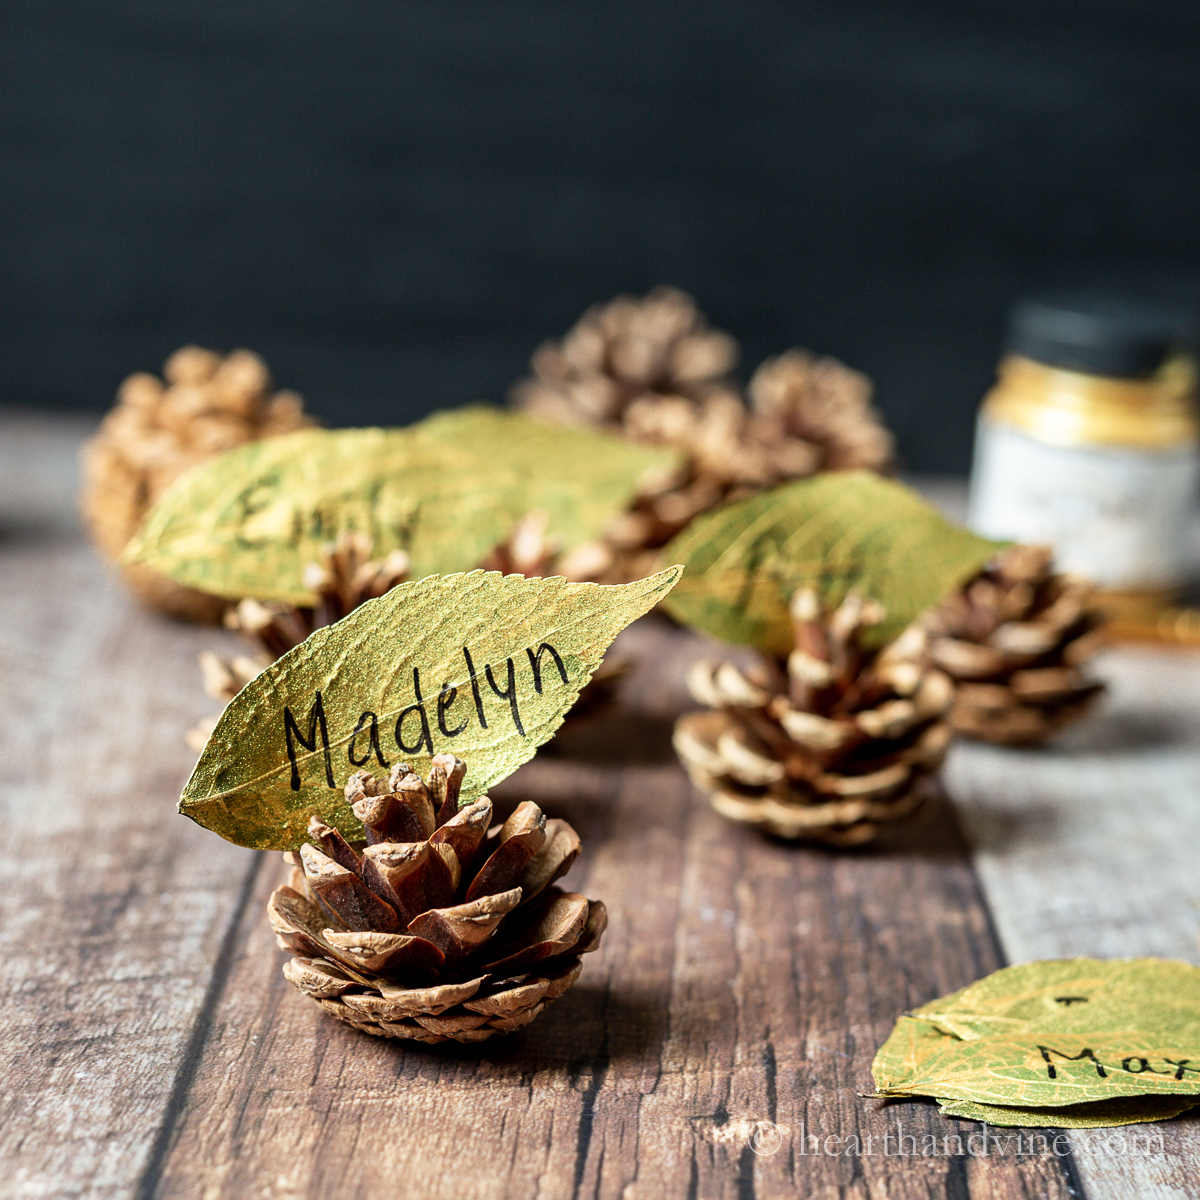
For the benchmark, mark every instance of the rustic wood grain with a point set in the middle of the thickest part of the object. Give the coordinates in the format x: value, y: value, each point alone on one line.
x: 1089, y: 847
x: 1093, y: 848
x: 741, y: 981
x: 154, y: 1049
x: 113, y: 908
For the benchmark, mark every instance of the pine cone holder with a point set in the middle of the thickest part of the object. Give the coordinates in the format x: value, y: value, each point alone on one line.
x: 436, y: 928
x: 156, y: 431
x: 346, y: 577
x: 652, y: 370
x: 1014, y: 640
x: 831, y: 745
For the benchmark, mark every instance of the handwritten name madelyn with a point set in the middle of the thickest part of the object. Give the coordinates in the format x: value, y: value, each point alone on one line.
x: 413, y: 730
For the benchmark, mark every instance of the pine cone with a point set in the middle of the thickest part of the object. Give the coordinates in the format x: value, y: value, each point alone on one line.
x: 157, y: 432
x: 653, y: 371
x: 436, y: 928
x: 1014, y: 640
x: 800, y: 403
x: 346, y: 578
x: 618, y: 352
x: 650, y: 369
x: 829, y: 745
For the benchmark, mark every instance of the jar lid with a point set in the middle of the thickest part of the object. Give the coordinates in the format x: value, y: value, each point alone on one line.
x: 1099, y: 335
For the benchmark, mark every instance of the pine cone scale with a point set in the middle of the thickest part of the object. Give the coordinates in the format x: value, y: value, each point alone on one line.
x: 155, y: 433
x: 652, y: 370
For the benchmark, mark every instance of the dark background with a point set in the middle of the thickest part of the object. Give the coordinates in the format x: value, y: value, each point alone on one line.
x: 394, y: 202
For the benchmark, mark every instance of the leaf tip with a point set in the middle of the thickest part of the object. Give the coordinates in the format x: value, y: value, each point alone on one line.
x: 132, y: 552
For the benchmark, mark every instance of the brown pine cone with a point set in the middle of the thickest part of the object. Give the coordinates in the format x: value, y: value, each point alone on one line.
x: 800, y: 401
x: 1015, y: 639
x: 653, y: 371
x: 650, y: 369
x: 156, y: 432
x: 435, y: 927
x: 346, y: 578
x: 831, y: 744
x: 616, y: 353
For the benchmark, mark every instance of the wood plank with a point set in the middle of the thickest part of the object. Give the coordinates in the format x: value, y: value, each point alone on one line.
x: 113, y: 908
x: 1090, y: 848
x: 741, y: 981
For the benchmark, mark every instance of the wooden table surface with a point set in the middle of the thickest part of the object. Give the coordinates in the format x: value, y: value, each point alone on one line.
x: 153, y: 1048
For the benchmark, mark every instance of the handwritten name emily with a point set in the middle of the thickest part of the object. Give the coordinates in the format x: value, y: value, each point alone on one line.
x: 413, y: 730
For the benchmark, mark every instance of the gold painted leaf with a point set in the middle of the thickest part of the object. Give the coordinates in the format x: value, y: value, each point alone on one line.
x: 1099, y: 1114
x: 909, y: 1046
x: 446, y: 490
x: 481, y: 665
x: 1051, y: 1069
x: 1072, y: 995
x: 1060, y: 1033
x: 837, y: 532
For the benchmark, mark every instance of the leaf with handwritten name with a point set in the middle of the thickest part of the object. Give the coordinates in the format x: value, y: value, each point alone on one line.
x: 481, y: 665
x: 1054, y: 1034
x: 1125, y: 1110
x: 837, y: 532
x: 1072, y: 995
x: 1054, y: 1069
x: 446, y: 490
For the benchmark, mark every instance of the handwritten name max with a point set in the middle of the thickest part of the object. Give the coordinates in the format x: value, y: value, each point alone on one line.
x: 413, y: 730
x: 1134, y: 1064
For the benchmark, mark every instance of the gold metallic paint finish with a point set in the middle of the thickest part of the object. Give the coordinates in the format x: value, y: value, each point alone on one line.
x: 1137, y: 604
x: 1155, y: 620
x: 1039, y: 1037
x: 481, y: 665
x: 1068, y: 408
x: 446, y: 491
x: 839, y: 531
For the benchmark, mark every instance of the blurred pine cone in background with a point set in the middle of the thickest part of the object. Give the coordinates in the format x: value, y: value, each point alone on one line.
x: 799, y: 400
x: 156, y: 431
x: 625, y: 351
x: 1015, y: 639
x: 653, y: 370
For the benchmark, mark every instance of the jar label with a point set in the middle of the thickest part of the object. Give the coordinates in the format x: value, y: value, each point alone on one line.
x: 1113, y: 513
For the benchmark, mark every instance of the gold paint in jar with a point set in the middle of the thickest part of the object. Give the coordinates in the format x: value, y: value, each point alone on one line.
x: 1090, y: 443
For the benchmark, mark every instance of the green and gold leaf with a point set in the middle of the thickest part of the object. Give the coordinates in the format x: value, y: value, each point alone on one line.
x: 1072, y: 995
x: 1055, y: 1069
x: 446, y: 490
x: 480, y: 665
x: 1058, y: 1035
x: 838, y: 532
x: 1126, y: 1110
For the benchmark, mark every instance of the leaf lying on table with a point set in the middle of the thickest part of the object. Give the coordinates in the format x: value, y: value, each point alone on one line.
x: 482, y: 665
x: 837, y: 532
x: 1063, y: 1038
x: 1073, y: 995
x: 1099, y: 1114
x: 446, y: 490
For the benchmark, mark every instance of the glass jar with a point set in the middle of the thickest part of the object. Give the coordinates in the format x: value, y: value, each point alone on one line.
x: 1090, y: 443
